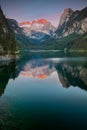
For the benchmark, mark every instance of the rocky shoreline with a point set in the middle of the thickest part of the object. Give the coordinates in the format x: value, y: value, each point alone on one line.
x: 8, y: 57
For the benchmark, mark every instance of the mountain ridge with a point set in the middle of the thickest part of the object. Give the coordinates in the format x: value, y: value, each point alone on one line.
x: 39, y: 21
x: 76, y: 23
x: 65, y: 16
x: 37, y: 32
x: 7, y: 39
x: 71, y: 32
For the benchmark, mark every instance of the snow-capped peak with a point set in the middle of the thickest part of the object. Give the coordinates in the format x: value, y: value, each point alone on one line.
x: 39, y: 29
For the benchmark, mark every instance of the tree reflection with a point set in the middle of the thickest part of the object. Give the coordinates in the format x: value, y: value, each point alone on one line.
x: 6, y: 72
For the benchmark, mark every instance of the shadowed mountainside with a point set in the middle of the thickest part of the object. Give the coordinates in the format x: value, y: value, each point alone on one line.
x: 7, y: 38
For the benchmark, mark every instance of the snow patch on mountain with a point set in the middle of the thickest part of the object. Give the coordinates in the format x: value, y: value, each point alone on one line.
x: 40, y: 30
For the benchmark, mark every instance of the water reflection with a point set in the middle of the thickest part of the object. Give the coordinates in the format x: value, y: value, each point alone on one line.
x: 39, y: 68
x: 73, y: 74
x: 71, y: 71
x: 33, y: 94
x: 7, y: 70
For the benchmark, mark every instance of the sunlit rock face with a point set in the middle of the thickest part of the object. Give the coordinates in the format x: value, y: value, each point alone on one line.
x: 39, y: 30
x: 72, y: 22
x: 40, y: 25
x: 65, y: 16
x: 36, y: 31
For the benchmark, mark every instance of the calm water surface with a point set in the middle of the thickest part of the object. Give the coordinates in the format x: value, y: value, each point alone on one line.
x: 44, y: 91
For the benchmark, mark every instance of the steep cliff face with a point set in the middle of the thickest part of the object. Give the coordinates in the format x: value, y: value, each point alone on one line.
x: 65, y: 16
x: 72, y: 22
x: 7, y: 39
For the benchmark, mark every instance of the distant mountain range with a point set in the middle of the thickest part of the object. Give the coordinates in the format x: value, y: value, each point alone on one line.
x: 41, y: 34
x: 40, y: 30
x: 35, y: 32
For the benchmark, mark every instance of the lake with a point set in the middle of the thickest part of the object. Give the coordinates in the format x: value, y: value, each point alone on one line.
x: 44, y: 90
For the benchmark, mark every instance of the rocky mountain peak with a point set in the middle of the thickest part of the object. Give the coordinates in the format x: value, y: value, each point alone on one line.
x: 39, y: 30
x: 65, y: 16
x: 72, y: 22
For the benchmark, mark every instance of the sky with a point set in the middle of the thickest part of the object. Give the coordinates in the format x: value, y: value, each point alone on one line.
x: 28, y: 10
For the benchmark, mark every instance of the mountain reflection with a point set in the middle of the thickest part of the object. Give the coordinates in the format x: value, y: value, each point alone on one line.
x: 71, y: 72
x: 6, y: 72
x: 39, y: 68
